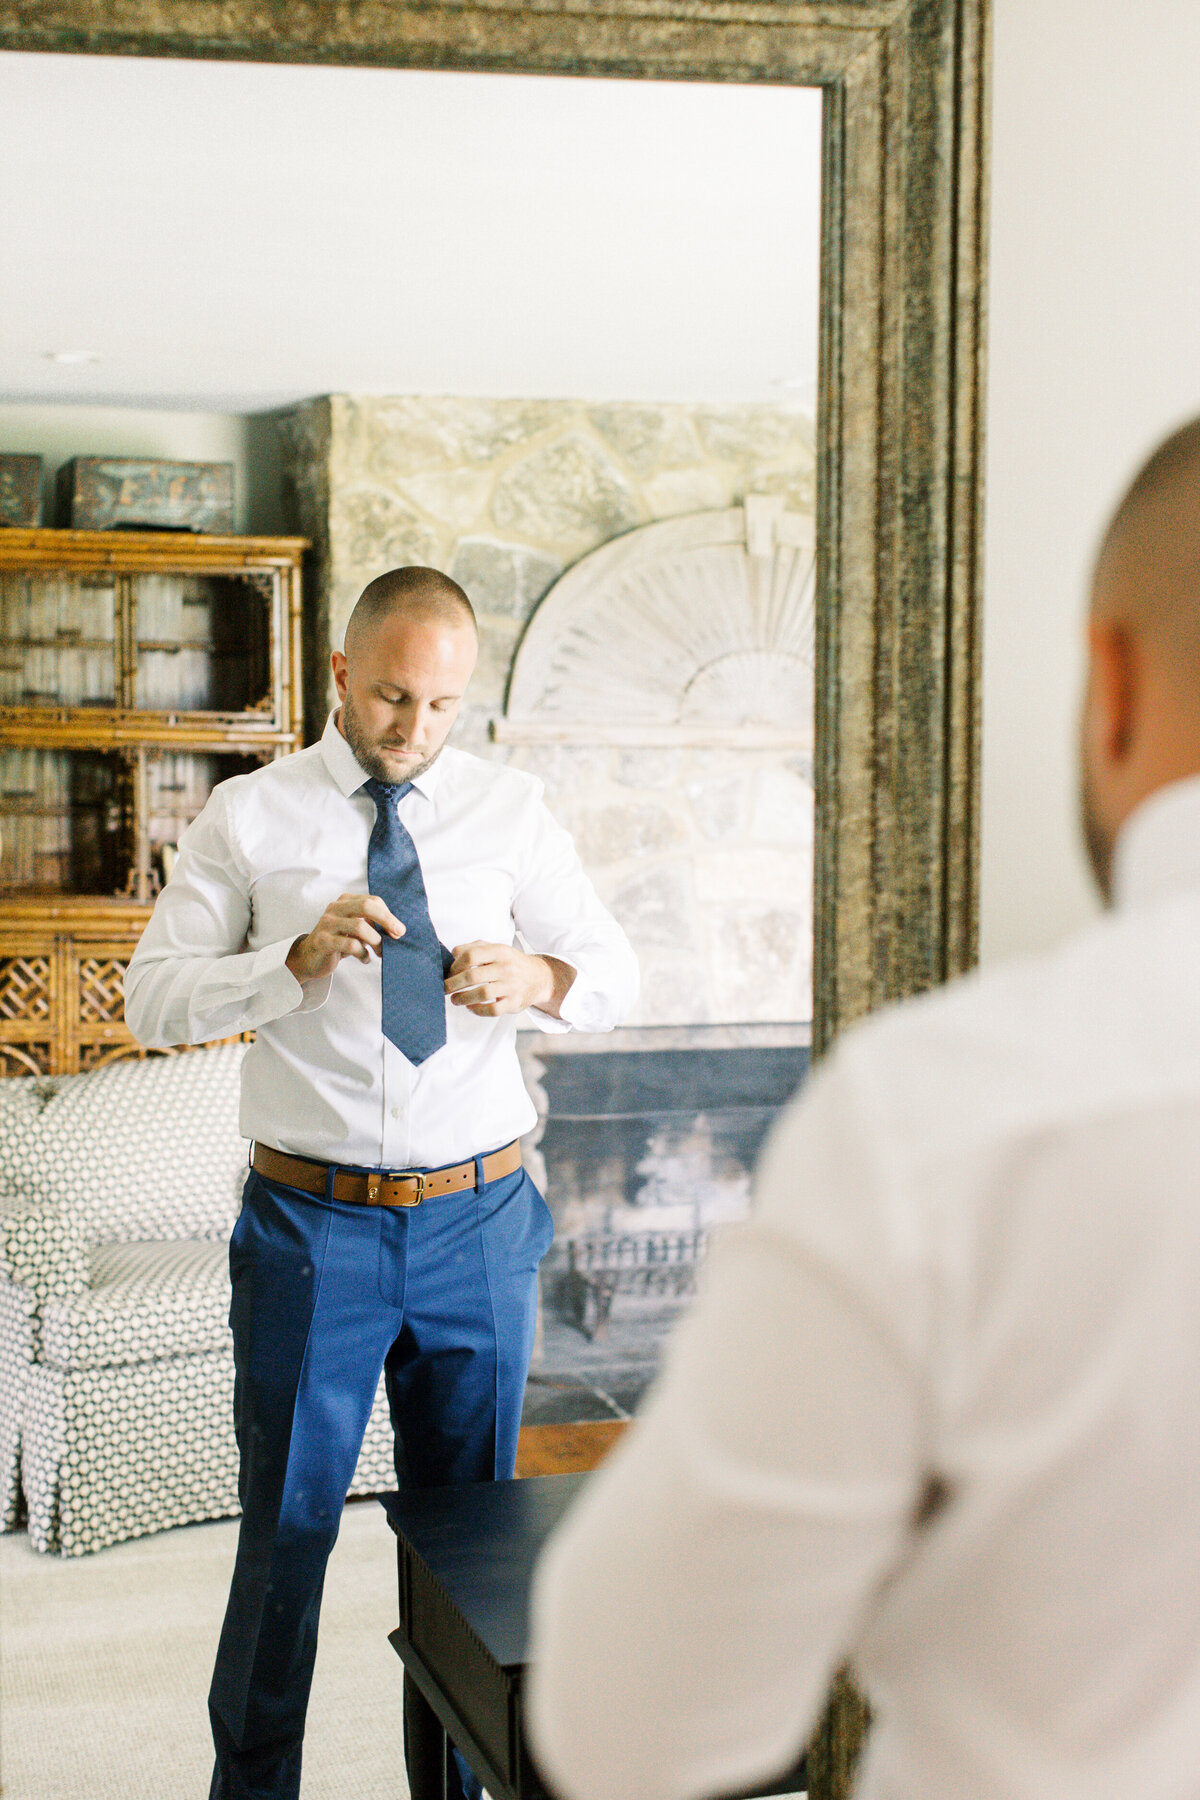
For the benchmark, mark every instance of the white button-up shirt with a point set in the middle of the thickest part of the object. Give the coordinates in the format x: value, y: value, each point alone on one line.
x: 937, y: 1409
x: 258, y: 868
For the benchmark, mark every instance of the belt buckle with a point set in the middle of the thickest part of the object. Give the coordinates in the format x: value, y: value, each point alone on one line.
x: 377, y: 1177
x: 419, y: 1178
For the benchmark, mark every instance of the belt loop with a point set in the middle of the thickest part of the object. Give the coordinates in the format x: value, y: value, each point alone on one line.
x: 331, y: 1170
x: 480, y: 1177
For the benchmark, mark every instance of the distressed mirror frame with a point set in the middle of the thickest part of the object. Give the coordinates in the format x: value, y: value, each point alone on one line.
x: 899, y: 419
x: 899, y: 471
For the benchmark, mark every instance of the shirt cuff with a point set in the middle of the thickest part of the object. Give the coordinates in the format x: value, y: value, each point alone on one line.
x: 279, y: 988
x: 584, y: 1007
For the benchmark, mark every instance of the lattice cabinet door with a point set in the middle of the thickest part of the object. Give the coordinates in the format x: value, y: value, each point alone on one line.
x: 29, y: 989
x: 62, y: 1004
x: 61, y: 998
x: 93, y: 975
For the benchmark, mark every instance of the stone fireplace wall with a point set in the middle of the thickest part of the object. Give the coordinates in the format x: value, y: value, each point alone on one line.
x: 705, y: 855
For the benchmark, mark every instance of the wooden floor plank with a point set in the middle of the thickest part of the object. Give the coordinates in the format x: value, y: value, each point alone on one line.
x: 566, y: 1449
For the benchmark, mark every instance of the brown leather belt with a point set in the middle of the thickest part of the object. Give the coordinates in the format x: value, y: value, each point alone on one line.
x: 380, y: 1187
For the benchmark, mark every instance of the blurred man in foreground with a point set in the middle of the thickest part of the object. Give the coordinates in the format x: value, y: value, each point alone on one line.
x: 938, y: 1408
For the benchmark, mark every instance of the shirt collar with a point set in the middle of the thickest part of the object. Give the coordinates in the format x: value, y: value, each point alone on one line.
x: 349, y: 774
x: 1158, y: 848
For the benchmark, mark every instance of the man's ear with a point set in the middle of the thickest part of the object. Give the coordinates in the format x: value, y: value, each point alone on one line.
x: 338, y: 663
x: 1115, y: 681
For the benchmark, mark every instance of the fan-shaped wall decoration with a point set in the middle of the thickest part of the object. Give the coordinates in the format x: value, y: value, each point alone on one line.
x: 697, y: 630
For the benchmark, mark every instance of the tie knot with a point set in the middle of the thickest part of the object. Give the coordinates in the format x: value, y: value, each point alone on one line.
x: 386, y: 793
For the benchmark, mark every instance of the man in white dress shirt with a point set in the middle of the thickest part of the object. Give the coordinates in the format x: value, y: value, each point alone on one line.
x: 387, y: 1224
x: 938, y: 1407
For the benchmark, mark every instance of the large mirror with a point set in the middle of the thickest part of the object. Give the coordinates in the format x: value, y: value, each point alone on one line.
x: 585, y: 386
x: 806, y: 440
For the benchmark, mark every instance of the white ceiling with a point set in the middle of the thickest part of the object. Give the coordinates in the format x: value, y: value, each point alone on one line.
x: 232, y: 237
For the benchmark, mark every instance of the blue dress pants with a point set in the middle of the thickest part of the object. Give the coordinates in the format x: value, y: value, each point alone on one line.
x: 442, y: 1298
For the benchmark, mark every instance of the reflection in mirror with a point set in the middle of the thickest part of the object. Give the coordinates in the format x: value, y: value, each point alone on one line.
x: 558, y: 338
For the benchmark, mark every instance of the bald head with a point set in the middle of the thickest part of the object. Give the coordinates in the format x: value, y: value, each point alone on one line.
x: 411, y: 646
x: 1148, y: 570
x: 1140, y: 729
x: 415, y: 592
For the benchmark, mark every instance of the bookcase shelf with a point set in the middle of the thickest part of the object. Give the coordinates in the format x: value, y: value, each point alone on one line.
x: 137, y: 669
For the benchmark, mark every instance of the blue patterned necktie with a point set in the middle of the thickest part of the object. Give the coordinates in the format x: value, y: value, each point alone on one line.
x: 414, y: 966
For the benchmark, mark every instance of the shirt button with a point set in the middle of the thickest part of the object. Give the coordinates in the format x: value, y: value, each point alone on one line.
x: 395, y: 1112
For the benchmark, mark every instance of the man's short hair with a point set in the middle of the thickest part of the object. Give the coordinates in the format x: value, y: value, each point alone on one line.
x: 1148, y: 569
x: 1168, y: 480
x: 422, y: 593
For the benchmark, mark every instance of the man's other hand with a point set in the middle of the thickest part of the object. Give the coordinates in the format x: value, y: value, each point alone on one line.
x: 351, y: 925
x: 489, y: 979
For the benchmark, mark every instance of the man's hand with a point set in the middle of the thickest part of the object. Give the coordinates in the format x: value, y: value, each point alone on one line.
x: 347, y: 927
x: 489, y: 979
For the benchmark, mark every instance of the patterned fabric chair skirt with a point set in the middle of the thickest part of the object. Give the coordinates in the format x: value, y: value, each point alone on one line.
x: 18, y: 1312
x: 109, y: 1454
x: 116, y: 1362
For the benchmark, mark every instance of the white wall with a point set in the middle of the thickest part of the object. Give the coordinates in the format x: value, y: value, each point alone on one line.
x: 56, y: 433
x: 1095, y: 355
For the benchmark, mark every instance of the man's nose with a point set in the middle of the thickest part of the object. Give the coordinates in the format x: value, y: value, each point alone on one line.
x: 413, y: 726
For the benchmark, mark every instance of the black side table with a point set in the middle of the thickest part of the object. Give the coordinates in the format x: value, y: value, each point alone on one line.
x: 466, y: 1558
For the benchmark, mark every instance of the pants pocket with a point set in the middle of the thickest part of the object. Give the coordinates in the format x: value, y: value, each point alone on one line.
x: 517, y: 1223
x: 543, y: 1214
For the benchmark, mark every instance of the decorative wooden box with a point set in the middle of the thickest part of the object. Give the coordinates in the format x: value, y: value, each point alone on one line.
x: 20, y: 490
x: 100, y: 493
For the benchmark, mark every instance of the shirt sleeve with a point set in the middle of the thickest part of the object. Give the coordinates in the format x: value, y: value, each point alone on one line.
x: 559, y: 913
x: 689, y: 1614
x: 191, y: 978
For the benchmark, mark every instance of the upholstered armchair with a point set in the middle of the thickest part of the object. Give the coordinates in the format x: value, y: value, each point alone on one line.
x: 118, y: 1190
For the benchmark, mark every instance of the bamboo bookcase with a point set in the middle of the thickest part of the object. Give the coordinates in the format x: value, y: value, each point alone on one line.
x: 137, y: 669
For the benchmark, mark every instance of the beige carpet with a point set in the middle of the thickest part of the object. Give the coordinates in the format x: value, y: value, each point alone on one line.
x: 105, y: 1662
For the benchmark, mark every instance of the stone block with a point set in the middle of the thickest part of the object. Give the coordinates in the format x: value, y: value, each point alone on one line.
x: 566, y: 769
x: 497, y: 642
x: 783, y: 808
x: 304, y: 437
x: 674, y: 992
x: 612, y: 834
x: 755, y: 876
x: 655, y: 908
x: 682, y: 491
x: 508, y: 579
x: 456, y: 497
x: 648, y: 438
x: 402, y: 436
x: 372, y: 530
x: 761, y: 960
x: 796, y: 487
x: 740, y: 433
x: 719, y: 807
x: 705, y: 767
x: 472, y: 731
x: 647, y: 768
x: 566, y: 490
